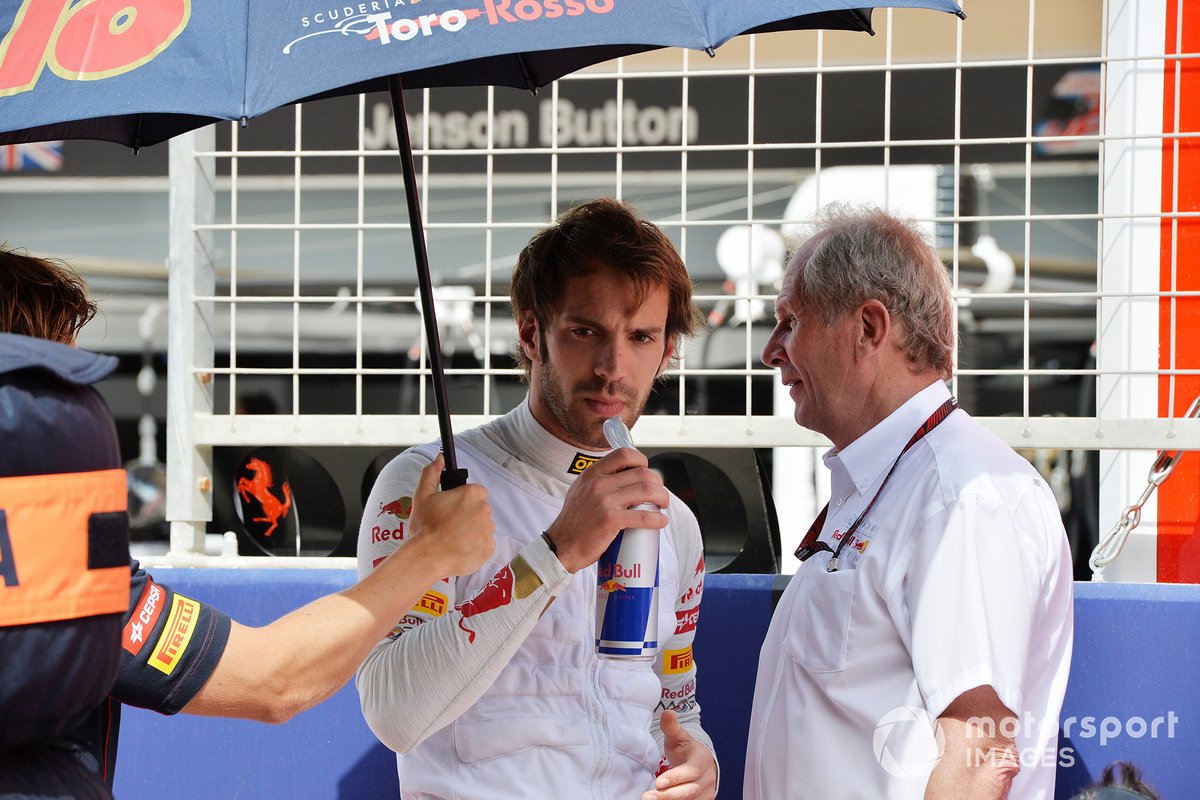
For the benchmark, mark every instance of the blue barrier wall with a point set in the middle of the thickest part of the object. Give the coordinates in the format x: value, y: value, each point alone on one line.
x: 1133, y: 695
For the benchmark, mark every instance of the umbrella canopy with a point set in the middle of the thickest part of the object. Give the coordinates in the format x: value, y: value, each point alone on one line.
x: 138, y: 73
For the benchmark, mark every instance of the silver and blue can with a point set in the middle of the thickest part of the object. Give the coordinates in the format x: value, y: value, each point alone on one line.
x: 627, y: 583
x: 627, y: 596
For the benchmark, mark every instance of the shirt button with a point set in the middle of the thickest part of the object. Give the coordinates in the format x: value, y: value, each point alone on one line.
x: 841, y: 502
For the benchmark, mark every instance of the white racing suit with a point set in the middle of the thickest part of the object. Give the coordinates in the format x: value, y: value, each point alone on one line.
x: 491, y: 687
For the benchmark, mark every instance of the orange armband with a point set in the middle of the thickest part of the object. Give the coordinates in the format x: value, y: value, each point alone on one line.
x: 64, y: 546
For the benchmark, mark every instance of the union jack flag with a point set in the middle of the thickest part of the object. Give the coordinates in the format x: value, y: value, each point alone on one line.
x: 46, y: 156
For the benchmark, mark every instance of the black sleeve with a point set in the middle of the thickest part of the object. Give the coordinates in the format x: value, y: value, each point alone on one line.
x: 170, y: 645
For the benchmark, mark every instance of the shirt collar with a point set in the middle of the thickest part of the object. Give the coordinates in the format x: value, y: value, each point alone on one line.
x: 869, y: 456
x: 542, y: 449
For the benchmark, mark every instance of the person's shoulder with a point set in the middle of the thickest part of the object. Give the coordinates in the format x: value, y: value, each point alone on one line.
x: 970, y: 459
x: 52, y: 420
x: 682, y: 519
x: 409, y: 462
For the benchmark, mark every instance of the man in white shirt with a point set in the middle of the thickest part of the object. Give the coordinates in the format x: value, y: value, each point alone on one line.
x: 490, y: 687
x: 921, y: 650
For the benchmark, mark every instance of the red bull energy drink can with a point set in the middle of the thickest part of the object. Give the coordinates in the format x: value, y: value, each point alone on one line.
x: 627, y: 579
x: 627, y: 596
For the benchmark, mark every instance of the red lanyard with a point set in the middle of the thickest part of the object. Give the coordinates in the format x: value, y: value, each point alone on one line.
x: 811, y: 545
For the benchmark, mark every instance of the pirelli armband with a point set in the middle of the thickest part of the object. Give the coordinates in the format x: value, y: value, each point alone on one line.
x: 171, y: 644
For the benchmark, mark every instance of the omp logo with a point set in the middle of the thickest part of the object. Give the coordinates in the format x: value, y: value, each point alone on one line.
x: 86, y: 41
x: 580, y: 463
x: 149, y: 609
x: 181, y: 623
x: 907, y: 742
x: 433, y: 603
x: 677, y: 661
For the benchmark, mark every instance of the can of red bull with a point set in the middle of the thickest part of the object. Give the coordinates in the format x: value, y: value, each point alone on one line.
x: 627, y: 583
x: 627, y: 596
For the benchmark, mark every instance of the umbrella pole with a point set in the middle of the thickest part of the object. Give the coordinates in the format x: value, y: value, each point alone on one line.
x: 452, y: 476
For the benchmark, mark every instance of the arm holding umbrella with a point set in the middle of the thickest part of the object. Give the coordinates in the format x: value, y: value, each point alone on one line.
x: 274, y: 672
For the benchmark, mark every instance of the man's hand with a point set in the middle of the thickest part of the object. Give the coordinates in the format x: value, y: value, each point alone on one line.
x: 456, y: 523
x: 600, y: 504
x: 693, y: 772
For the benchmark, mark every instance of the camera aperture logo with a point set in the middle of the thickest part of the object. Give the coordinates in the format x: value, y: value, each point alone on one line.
x: 907, y: 742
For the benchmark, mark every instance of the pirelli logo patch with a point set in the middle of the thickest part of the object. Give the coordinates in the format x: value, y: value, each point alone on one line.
x: 433, y: 603
x: 580, y: 463
x: 145, y: 616
x: 677, y: 661
x: 173, y: 643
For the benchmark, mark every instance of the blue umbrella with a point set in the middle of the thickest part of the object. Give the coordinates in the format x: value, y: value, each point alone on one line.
x: 138, y: 72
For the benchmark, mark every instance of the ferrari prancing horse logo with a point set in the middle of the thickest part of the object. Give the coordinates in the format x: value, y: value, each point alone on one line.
x: 259, y: 487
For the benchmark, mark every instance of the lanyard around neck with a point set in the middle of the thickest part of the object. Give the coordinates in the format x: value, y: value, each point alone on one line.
x: 811, y: 545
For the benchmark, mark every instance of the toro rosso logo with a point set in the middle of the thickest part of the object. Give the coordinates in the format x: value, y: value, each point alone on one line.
x: 86, y: 41
x: 374, y: 21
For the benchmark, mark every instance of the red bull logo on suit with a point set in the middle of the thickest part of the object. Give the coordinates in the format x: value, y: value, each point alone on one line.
x: 496, y: 592
x: 400, y: 508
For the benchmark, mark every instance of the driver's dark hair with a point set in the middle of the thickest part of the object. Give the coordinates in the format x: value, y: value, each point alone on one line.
x: 601, y: 233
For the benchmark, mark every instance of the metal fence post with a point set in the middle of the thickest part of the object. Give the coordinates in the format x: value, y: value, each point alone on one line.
x: 190, y: 339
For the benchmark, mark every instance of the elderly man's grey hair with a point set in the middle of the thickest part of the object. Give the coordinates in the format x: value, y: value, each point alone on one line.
x: 865, y: 253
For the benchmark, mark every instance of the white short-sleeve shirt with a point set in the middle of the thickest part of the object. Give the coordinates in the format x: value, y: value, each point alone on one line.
x: 960, y: 576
